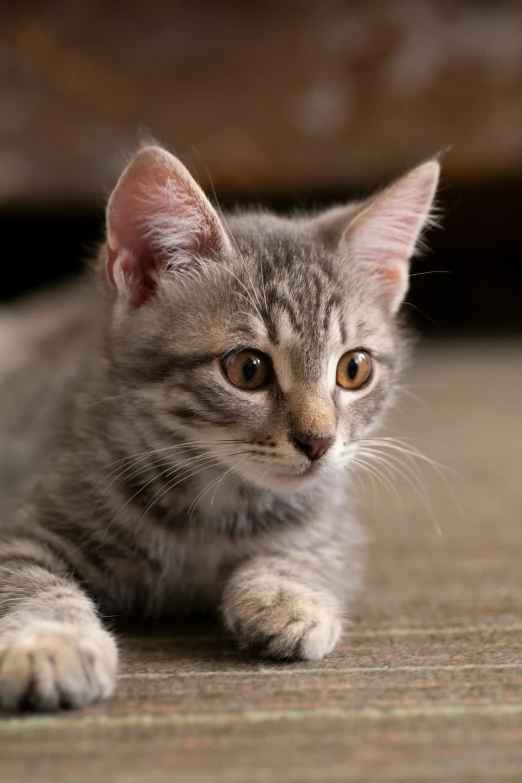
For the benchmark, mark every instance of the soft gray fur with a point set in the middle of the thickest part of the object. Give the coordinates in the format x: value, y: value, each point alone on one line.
x: 136, y: 480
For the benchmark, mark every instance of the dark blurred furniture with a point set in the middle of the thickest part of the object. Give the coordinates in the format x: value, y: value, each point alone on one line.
x: 288, y: 102
x: 270, y: 97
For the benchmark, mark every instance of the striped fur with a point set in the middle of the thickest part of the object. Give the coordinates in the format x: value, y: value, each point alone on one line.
x: 136, y: 480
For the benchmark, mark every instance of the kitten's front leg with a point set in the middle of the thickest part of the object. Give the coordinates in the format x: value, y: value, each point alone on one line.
x: 54, y: 651
x: 275, y: 606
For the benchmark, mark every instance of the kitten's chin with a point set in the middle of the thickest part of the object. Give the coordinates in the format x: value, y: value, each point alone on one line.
x: 285, y: 483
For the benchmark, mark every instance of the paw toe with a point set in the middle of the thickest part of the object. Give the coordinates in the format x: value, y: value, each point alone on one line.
x: 55, y: 665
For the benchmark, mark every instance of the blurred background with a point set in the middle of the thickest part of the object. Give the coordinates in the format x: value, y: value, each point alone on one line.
x: 281, y: 102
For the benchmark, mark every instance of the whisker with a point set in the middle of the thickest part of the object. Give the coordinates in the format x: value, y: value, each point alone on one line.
x: 367, y: 470
x: 230, y: 234
x: 421, y: 491
x: 155, y: 478
x: 248, y: 296
x: 384, y: 478
x: 407, y: 448
x: 215, y: 482
x: 171, y: 485
x: 352, y: 477
x: 148, y: 465
x: 143, y: 455
x: 412, y: 396
x: 205, y: 464
x: 411, y: 453
x: 432, y: 272
x: 114, y: 397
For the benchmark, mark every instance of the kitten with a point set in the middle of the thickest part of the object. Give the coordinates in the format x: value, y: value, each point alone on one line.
x: 175, y: 438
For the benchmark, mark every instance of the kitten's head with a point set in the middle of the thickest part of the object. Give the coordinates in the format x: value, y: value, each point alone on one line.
x: 269, y: 343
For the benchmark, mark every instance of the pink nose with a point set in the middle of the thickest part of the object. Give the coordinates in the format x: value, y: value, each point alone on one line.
x: 314, y: 448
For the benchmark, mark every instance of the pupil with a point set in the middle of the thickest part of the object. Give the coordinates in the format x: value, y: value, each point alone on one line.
x: 352, y: 369
x: 250, y: 369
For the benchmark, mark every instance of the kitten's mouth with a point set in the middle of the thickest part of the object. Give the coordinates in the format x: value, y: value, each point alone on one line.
x: 305, y: 471
x: 291, y: 479
x: 309, y: 469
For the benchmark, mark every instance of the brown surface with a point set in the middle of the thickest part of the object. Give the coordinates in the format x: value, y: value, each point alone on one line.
x: 272, y: 97
x: 425, y: 686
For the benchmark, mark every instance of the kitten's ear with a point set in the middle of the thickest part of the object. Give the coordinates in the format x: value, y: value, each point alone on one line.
x: 383, y: 236
x: 158, y: 218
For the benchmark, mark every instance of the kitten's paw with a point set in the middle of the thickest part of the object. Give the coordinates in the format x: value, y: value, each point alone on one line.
x: 51, y: 665
x: 281, y: 619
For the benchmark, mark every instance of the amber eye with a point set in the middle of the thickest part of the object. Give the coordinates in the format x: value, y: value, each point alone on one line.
x: 354, y: 369
x: 247, y: 369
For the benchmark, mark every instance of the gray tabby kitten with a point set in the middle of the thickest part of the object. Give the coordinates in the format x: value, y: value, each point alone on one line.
x: 175, y: 438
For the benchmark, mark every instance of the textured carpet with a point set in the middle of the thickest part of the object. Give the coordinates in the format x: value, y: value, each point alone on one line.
x: 427, y: 682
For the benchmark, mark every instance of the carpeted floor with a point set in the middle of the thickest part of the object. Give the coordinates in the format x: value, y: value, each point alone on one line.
x: 426, y: 684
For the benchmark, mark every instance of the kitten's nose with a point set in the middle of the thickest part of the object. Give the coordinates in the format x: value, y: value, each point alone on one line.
x: 314, y: 448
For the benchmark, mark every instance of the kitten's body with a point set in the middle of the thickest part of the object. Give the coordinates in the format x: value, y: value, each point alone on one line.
x: 44, y: 347
x: 62, y: 412
x: 148, y: 482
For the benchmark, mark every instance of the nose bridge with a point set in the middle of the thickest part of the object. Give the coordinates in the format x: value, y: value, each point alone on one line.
x: 303, y: 374
x: 312, y: 414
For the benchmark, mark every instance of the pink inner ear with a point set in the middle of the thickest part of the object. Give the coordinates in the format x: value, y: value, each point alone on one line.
x: 157, y: 218
x: 139, y: 190
x: 384, y: 236
x: 393, y: 271
x: 137, y: 198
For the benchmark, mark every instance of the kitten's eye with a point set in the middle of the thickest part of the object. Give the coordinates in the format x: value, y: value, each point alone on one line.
x: 247, y: 369
x: 354, y: 369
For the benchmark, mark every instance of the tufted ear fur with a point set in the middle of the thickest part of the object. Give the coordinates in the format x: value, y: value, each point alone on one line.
x: 159, y: 219
x: 383, y: 236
